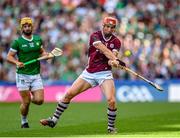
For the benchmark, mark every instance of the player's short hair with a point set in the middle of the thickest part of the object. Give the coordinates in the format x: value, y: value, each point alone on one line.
x: 110, y: 21
x: 25, y: 20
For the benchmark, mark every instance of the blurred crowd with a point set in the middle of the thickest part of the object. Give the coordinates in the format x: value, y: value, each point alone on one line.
x: 149, y: 28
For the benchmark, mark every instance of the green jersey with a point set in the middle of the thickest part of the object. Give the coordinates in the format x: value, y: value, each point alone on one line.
x: 27, y: 50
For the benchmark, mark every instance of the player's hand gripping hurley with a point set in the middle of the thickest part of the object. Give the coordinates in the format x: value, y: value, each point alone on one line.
x: 54, y: 53
x: 136, y: 74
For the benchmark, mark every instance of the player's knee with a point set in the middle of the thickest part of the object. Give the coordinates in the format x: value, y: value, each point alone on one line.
x: 111, y: 102
x: 39, y: 101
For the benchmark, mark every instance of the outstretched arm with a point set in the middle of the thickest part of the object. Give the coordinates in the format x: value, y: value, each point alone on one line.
x: 111, y: 55
x: 108, y: 53
x: 111, y: 62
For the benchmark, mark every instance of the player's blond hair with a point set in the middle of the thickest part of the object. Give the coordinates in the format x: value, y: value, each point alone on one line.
x: 25, y: 20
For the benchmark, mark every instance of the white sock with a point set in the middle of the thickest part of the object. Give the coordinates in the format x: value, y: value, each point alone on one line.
x: 24, y: 119
x: 54, y: 119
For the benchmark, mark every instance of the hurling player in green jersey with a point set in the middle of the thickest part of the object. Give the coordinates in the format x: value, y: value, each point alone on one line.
x: 28, y: 79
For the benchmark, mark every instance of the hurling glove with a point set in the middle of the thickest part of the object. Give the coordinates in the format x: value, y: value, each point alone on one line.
x: 121, y: 63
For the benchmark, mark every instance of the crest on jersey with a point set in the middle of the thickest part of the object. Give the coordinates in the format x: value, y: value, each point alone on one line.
x: 111, y: 45
x: 31, y: 44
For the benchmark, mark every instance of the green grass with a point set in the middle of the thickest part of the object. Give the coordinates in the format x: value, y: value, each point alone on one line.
x: 90, y: 120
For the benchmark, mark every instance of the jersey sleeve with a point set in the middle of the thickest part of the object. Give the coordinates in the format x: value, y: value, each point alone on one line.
x: 94, y: 39
x: 14, y: 46
x: 38, y: 39
x: 117, y: 44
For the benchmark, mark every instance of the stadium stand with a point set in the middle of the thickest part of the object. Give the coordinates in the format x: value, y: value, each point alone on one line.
x: 149, y: 28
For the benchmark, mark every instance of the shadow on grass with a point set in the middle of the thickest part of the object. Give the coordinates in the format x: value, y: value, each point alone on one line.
x: 154, y: 124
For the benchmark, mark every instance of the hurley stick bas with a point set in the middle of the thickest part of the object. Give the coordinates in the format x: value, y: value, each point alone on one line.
x: 158, y: 87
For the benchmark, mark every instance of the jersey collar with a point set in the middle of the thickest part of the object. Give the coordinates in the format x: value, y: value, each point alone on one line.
x: 27, y: 38
x: 104, y: 37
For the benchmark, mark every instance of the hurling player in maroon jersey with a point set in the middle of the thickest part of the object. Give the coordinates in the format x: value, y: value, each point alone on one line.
x: 103, y: 49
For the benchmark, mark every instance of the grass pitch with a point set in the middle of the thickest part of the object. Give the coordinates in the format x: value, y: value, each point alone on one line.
x: 90, y: 120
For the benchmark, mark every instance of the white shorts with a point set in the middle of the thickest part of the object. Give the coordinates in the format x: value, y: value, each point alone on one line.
x: 96, y: 78
x: 28, y: 82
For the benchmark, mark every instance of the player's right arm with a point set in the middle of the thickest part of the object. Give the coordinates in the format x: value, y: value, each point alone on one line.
x: 108, y: 53
x: 111, y: 62
x: 12, y: 53
x: 11, y: 58
x: 100, y: 46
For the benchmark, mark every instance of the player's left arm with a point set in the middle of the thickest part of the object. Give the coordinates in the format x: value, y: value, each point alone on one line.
x: 43, y: 52
x: 115, y: 51
x: 111, y: 62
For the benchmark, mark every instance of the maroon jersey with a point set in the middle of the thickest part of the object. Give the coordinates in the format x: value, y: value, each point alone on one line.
x: 98, y: 61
